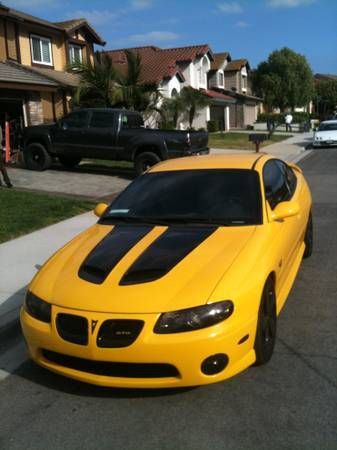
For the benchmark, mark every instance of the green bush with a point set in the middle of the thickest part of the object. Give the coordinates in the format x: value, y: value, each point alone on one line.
x: 212, y: 126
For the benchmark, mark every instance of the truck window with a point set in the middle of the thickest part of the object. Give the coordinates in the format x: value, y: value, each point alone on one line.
x: 101, y: 119
x: 77, y: 119
x: 132, y: 121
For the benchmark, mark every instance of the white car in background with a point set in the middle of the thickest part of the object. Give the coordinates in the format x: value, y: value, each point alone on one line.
x: 326, y: 135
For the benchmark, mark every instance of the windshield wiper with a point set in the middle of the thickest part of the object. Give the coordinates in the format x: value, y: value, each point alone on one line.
x: 134, y: 219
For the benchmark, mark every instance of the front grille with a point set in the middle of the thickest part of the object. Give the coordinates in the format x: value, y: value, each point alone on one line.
x: 119, y: 333
x: 112, y: 369
x: 72, y: 328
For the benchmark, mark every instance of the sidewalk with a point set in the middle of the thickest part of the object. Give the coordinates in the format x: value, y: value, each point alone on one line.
x: 21, y: 257
x: 291, y: 150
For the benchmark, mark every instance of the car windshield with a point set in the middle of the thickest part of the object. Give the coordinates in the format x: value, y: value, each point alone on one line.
x: 211, y: 196
x: 328, y: 127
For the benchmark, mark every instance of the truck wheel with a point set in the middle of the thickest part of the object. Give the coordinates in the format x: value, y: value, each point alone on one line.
x: 144, y: 161
x: 69, y: 162
x: 36, y: 157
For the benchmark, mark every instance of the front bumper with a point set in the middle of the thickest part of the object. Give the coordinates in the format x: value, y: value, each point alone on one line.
x: 183, y: 352
x: 330, y: 143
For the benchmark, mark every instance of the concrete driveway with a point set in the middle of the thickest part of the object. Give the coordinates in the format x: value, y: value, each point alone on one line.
x: 87, y: 181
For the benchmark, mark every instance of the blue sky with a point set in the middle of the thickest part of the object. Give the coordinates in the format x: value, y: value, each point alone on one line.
x: 246, y: 28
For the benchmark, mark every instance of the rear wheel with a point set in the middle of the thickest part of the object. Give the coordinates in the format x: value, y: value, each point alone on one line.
x: 144, y: 161
x: 309, y: 238
x: 36, y: 157
x: 266, y: 325
x: 69, y: 162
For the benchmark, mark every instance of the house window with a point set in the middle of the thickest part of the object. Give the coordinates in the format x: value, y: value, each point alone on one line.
x: 221, y: 79
x: 41, y: 50
x: 75, y: 53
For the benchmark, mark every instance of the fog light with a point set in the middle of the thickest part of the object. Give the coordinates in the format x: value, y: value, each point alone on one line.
x: 214, y: 364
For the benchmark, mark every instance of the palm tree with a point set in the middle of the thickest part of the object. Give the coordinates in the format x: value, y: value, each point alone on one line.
x: 98, y: 82
x: 135, y: 94
x: 193, y: 100
x: 171, y: 109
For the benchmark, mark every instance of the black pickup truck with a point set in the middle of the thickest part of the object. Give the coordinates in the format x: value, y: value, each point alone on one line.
x: 109, y: 134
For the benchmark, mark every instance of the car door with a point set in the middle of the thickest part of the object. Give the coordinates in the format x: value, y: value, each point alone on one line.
x: 280, y: 184
x: 69, y: 135
x: 100, y: 141
x: 130, y: 125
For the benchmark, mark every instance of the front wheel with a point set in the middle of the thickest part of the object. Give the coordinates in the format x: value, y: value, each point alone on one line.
x: 36, y: 157
x: 144, y: 161
x: 266, y: 325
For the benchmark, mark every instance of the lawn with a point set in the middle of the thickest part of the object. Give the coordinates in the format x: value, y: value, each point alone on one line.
x: 23, y: 212
x: 239, y: 140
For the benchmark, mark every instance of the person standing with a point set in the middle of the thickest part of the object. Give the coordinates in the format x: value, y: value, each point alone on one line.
x: 288, y: 121
x: 2, y: 164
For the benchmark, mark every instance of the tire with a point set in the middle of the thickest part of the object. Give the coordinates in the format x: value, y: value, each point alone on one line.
x: 309, y: 238
x: 69, y: 162
x: 266, y: 325
x: 36, y: 157
x: 144, y: 161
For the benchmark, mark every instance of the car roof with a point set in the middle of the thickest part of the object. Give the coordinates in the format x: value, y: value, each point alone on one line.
x: 244, y: 160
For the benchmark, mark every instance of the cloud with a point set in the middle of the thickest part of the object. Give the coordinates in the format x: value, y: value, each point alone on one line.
x: 141, y: 4
x: 230, y: 7
x: 30, y: 4
x: 154, y: 36
x: 94, y: 17
x: 289, y: 3
x: 242, y: 24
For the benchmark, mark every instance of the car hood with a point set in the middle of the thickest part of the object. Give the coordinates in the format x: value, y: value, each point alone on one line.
x: 140, y: 269
x: 326, y: 135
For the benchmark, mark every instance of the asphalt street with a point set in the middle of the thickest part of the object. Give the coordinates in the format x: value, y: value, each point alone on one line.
x: 291, y: 403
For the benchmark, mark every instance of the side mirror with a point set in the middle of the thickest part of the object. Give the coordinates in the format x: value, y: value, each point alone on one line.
x: 284, y: 210
x: 100, y: 209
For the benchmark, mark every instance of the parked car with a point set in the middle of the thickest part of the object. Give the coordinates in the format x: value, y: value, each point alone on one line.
x: 326, y: 135
x: 107, y: 134
x: 181, y: 280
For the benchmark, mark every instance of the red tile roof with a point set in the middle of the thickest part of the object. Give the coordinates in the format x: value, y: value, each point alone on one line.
x: 236, y: 64
x: 219, y: 59
x: 217, y: 95
x: 159, y: 64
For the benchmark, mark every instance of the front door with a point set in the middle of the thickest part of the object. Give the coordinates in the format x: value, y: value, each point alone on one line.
x: 69, y: 135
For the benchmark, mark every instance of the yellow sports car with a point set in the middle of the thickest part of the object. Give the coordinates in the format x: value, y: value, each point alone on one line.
x: 181, y: 280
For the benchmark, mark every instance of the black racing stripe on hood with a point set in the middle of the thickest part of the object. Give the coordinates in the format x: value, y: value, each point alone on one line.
x: 104, y: 257
x: 165, y: 253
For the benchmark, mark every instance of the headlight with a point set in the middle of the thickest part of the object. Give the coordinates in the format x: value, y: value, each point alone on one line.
x: 37, y: 308
x: 193, y: 318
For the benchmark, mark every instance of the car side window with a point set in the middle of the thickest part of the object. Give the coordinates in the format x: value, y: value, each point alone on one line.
x: 101, y: 119
x: 78, y: 119
x: 275, y: 183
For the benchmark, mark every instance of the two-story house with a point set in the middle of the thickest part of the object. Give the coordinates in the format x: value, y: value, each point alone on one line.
x: 173, y: 69
x: 35, y: 86
x: 233, y: 78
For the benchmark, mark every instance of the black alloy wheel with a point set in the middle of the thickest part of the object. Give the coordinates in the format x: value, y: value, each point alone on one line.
x: 266, y: 325
x: 309, y: 238
x: 36, y: 157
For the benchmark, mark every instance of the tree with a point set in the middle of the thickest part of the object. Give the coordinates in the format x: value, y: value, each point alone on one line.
x: 171, y: 109
x: 134, y: 93
x: 285, y: 80
x: 98, y: 82
x: 325, y: 98
x: 192, y: 100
